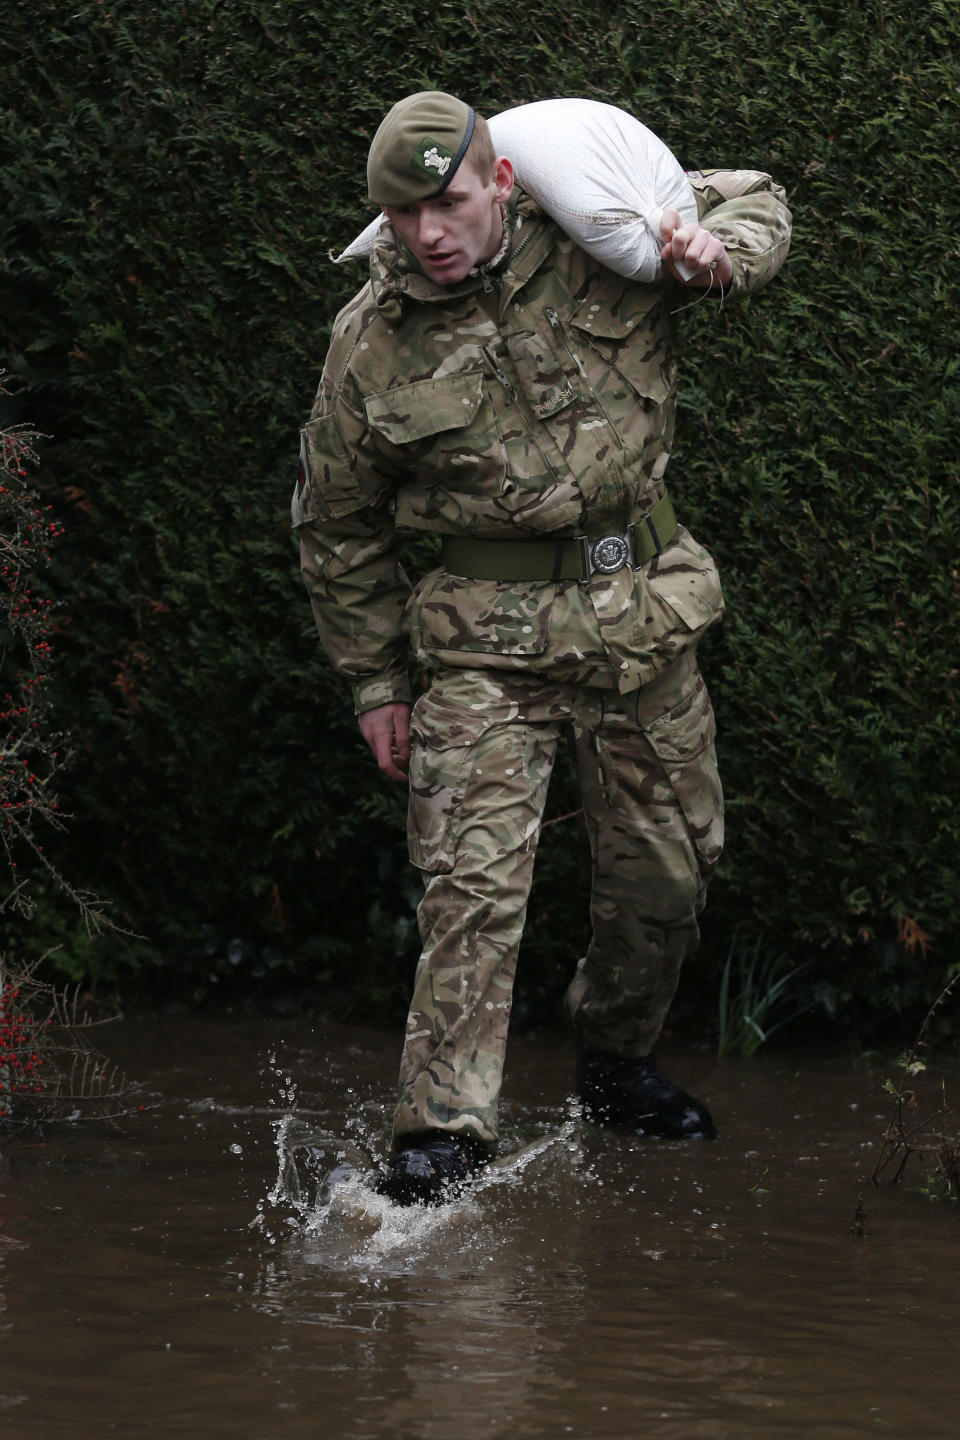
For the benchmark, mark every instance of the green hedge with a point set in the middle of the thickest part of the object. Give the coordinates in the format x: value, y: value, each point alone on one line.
x: 174, y: 178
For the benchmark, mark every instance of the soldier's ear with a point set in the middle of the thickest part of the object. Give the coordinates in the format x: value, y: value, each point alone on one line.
x: 503, y: 178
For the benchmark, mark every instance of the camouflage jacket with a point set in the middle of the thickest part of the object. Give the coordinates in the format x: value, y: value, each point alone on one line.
x: 536, y: 399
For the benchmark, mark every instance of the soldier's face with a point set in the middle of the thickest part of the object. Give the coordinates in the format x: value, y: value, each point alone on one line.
x: 459, y: 229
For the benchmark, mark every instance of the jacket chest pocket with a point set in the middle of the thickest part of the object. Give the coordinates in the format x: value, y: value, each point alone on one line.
x: 627, y: 345
x: 444, y: 430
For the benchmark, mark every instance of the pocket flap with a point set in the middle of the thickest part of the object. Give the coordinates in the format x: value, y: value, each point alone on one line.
x: 614, y: 318
x: 445, y: 725
x: 685, y: 577
x: 327, y: 481
x: 406, y: 413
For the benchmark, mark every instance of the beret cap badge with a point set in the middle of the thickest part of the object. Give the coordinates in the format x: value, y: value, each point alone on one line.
x: 432, y: 157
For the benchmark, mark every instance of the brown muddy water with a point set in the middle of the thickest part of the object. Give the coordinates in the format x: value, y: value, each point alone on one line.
x: 162, y: 1276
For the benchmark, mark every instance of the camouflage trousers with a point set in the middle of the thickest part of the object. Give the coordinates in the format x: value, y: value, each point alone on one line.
x: 484, y: 745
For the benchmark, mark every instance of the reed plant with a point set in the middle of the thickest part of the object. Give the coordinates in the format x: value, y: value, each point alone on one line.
x: 756, y: 997
x: 919, y: 1129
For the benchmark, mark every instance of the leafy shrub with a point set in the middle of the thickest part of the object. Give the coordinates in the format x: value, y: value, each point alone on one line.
x: 33, y: 748
x: 175, y: 177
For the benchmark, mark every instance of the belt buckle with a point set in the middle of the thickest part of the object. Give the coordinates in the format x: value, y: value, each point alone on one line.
x: 610, y: 553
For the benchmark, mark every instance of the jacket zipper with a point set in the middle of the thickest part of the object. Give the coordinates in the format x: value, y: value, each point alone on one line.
x: 557, y: 326
x: 513, y: 396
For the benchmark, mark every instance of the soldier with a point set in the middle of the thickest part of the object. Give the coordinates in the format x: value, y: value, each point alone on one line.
x: 493, y: 385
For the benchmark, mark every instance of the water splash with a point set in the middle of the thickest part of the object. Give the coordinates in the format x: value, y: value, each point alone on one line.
x: 324, y: 1195
x: 312, y: 1162
x: 324, y: 1198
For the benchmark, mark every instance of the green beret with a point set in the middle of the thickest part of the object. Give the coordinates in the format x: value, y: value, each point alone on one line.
x: 418, y: 148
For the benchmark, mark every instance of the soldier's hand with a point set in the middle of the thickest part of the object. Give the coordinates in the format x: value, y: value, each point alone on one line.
x: 387, y: 731
x: 698, y: 249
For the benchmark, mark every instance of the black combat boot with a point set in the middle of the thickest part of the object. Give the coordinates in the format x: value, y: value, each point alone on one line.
x: 431, y: 1168
x: 633, y: 1095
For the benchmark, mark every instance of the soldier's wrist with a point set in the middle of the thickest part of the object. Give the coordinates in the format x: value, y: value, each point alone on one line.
x: 376, y: 690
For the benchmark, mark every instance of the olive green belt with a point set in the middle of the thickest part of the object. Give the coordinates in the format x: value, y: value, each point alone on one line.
x: 576, y: 559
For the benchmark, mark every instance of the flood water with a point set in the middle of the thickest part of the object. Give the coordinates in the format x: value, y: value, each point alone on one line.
x: 162, y: 1275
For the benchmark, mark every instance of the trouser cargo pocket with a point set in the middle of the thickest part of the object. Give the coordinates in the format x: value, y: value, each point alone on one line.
x: 443, y: 739
x: 683, y: 740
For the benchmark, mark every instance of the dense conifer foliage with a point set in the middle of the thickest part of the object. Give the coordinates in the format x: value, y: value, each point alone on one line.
x: 174, y: 178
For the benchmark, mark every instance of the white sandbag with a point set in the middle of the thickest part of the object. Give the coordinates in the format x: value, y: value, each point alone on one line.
x: 597, y: 171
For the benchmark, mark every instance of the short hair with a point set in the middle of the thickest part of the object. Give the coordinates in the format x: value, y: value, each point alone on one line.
x: 480, y: 151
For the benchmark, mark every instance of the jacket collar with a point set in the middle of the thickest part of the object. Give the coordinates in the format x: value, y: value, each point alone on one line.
x: 395, y: 276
